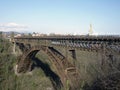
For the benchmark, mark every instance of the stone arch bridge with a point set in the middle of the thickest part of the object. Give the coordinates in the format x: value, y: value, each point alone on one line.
x: 106, y: 45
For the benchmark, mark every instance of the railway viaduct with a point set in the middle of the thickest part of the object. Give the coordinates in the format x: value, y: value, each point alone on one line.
x: 63, y: 52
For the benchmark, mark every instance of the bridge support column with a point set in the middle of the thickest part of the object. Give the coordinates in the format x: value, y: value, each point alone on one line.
x: 73, y: 54
x: 103, y: 52
x: 66, y: 43
x: 24, y: 66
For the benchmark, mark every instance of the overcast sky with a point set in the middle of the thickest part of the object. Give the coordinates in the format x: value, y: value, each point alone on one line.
x: 60, y: 16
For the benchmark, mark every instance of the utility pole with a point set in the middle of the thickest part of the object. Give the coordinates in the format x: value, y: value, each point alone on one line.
x: 14, y: 48
x: 12, y: 36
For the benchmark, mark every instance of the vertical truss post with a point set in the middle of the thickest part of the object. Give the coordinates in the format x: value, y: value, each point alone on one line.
x: 103, y: 56
x: 66, y: 44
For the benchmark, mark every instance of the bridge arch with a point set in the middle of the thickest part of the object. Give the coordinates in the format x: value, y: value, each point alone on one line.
x: 65, y: 70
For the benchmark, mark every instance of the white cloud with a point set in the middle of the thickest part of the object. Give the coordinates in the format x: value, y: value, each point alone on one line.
x: 13, y: 27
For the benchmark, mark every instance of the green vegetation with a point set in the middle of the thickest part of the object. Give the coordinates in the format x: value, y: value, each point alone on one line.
x: 6, y: 66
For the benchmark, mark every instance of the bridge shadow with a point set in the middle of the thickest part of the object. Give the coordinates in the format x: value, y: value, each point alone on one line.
x: 54, y: 78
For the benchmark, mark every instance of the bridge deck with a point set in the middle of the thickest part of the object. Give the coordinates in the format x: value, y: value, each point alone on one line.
x: 82, y: 37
